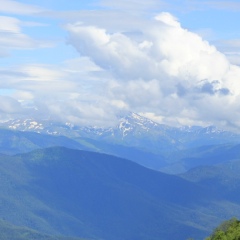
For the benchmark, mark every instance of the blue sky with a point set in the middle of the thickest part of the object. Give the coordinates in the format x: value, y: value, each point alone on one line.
x: 86, y: 62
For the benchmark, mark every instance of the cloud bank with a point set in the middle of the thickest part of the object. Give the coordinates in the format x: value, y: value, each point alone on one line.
x: 162, y: 69
x: 149, y: 65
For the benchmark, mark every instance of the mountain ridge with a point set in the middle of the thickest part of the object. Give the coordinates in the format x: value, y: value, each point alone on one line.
x: 84, y: 194
x: 132, y: 130
x: 125, y: 124
x: 154, y: 145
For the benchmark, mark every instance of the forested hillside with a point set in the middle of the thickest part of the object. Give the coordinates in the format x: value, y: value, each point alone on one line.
x: 228, y: 230
x: 60, y: 191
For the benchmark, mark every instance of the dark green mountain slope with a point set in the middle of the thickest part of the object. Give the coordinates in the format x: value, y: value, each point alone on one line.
x: 76, y: 193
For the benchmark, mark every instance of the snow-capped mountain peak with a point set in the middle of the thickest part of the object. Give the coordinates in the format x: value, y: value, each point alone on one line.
x: 131, y: 130
x: 134, y: 121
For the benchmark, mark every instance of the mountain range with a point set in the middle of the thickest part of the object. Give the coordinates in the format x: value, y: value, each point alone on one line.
x: 153, y: 145
x: 132, y: 130
x: 60, y: 181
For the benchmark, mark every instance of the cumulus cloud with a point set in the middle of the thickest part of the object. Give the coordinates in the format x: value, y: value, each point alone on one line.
x: 163, y: 47
x: 149, y: 65
x: 163, y: 69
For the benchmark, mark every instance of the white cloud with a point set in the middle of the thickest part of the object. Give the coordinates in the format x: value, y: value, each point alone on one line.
x: 162, y: 69
x: 9, y: 24
x: 9, y: 105
x: 12, y: 37
x: 64, y: 92
x: 162, y: 48
x: 16, y: 7
x: 127, y: 62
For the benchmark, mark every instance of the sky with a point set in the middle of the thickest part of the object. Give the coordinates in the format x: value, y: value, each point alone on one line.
x: 89, y: 62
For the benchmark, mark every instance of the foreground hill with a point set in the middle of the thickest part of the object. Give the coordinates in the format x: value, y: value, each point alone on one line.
x: 229, y: 230
x: 75, y: 193
x: 61, y: 191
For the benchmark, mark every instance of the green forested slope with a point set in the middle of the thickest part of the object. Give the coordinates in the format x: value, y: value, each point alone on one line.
x: 228, y: 230
x: 60, y: 191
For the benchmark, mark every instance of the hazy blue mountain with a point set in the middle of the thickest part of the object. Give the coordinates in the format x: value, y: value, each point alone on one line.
x: 12, y: 142
x: 201, y: 156
x: 223, y: 178
x: 85, y: 194
x: 134, y: 130
x: 59, y: 191
x: 160, y: 147
x: 12, y: 232
x: 147, y: 159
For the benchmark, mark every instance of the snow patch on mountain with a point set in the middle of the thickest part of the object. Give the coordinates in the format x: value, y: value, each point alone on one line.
x: 131, y: 130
